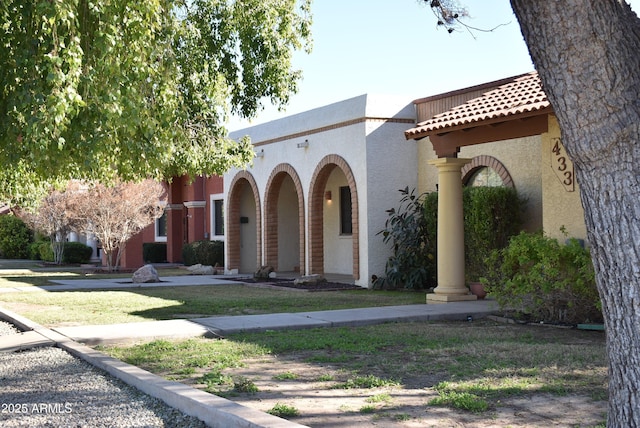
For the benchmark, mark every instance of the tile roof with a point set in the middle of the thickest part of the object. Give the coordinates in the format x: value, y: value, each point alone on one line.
x: 523, y: 94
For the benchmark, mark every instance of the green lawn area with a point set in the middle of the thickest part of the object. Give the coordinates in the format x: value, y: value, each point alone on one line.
x: 86, y: 307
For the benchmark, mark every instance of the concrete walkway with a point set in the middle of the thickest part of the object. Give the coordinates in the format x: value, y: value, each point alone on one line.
x: 213, y: 410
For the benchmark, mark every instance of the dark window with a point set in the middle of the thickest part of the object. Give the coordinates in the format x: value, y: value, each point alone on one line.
x: 218, y: 217
x: 345, y: 211
x: 161, y: 225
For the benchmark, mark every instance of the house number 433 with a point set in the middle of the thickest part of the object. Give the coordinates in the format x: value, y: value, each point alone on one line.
x: 562, y: 165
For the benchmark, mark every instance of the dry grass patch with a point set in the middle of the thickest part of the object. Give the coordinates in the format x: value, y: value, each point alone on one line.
x: 412, y: 374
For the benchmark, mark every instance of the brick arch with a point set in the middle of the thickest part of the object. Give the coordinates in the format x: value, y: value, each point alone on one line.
x: 316, y: 198
x: 279, y: 173
x: 487, y: 161
x: 233, y: 220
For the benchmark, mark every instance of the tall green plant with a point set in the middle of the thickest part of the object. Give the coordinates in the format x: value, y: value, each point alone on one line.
x: 491, y: 216
x: 410, y: 265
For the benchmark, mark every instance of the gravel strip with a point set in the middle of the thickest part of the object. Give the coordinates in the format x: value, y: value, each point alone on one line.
x: 47, y: 387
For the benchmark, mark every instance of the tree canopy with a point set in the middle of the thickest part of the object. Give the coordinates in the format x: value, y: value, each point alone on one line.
x: 127, y: 89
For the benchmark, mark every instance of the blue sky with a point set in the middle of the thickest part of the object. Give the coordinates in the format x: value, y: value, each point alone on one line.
x: 395, y: 47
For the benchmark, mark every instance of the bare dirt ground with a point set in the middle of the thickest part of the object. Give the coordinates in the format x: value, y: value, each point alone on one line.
x: 321, y: 405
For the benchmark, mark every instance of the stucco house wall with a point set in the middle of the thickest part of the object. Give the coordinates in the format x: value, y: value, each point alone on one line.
x: 562, y: 206
x: 392, y: 164
x: 521, y: 157
x: 365, y: 134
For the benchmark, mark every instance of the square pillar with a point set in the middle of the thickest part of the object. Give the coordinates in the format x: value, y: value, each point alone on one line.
x: 451, y: 278
x: 195, y: 220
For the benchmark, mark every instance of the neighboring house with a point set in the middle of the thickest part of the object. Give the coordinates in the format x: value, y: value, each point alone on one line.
x: 194, y: 211
x: 319, y: 187
x: 505, y: 131
x: 317, y: 192
x: 508, y: 130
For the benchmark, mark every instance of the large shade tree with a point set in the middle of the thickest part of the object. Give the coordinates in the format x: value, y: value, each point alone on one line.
x: 99, y: 89
x: 587, y: 53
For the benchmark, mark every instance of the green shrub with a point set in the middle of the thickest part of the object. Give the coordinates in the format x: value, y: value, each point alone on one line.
x: 73, y: 253
x: 76, y: 252
x: 46, y: 252
x: 492, y: 215
x: 34, y: 250
x: 154, y: 252
x: 208, y: 253
x: 412, y: 263
x: 15, y: 238
x: 544, y: 280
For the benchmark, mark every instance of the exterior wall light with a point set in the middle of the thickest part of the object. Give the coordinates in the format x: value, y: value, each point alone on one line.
x: 304, y: 144
x: 327, y: 195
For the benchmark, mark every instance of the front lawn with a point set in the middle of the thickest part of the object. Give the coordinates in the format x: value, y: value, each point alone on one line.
x: 163, y: 303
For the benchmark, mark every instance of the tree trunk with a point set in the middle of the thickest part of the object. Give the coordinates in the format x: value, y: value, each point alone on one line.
x: 57, y: 245
x: 587, y: 55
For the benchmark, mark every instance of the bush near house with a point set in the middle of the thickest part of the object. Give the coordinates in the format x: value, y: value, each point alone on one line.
x: 154, y: 252
x: 412, y: 264
x: 76, y: 252
x: 15, y: 238
x: 543, y: 280
x: 34, y: 249
x: 73, y: 252
x: 491, y: 216
x: 205, y: 252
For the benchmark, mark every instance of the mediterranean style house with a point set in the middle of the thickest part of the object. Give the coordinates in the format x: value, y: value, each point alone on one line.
x: 316, y: 195
x: 504, y: 133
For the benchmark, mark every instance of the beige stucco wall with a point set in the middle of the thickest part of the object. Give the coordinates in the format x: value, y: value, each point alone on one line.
x: 521, y: 158
x: 550, y: 206
x: 561, y: 208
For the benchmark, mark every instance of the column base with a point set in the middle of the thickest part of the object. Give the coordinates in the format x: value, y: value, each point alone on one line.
x: 447, y: 298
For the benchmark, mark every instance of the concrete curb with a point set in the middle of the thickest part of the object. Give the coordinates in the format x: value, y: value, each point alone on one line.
x: 215, y: 411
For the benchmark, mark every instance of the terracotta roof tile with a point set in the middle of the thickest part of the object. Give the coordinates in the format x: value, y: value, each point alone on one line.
x: 523, y: 94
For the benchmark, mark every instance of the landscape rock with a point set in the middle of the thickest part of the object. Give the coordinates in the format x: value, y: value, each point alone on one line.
x: 310, y: 279
x: 199, y: 269
x: 146, y: 273
x: 264, y: 272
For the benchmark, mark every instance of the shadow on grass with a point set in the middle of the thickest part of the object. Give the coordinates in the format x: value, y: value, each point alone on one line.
x: 90, y: 307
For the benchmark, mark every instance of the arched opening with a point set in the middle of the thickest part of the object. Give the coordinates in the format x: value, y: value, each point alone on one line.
x: 486, y: 171
x: 244, y: 224
x: 284, y: 221
x: 333, y: 219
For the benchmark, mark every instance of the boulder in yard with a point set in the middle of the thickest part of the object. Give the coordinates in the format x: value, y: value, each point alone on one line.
x: 146, y: 273
x: 199, y: 269
x: 310, y: 279
x: 264, y: 272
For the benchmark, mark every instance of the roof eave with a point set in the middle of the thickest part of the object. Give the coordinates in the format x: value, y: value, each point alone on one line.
x: 417, y: 134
